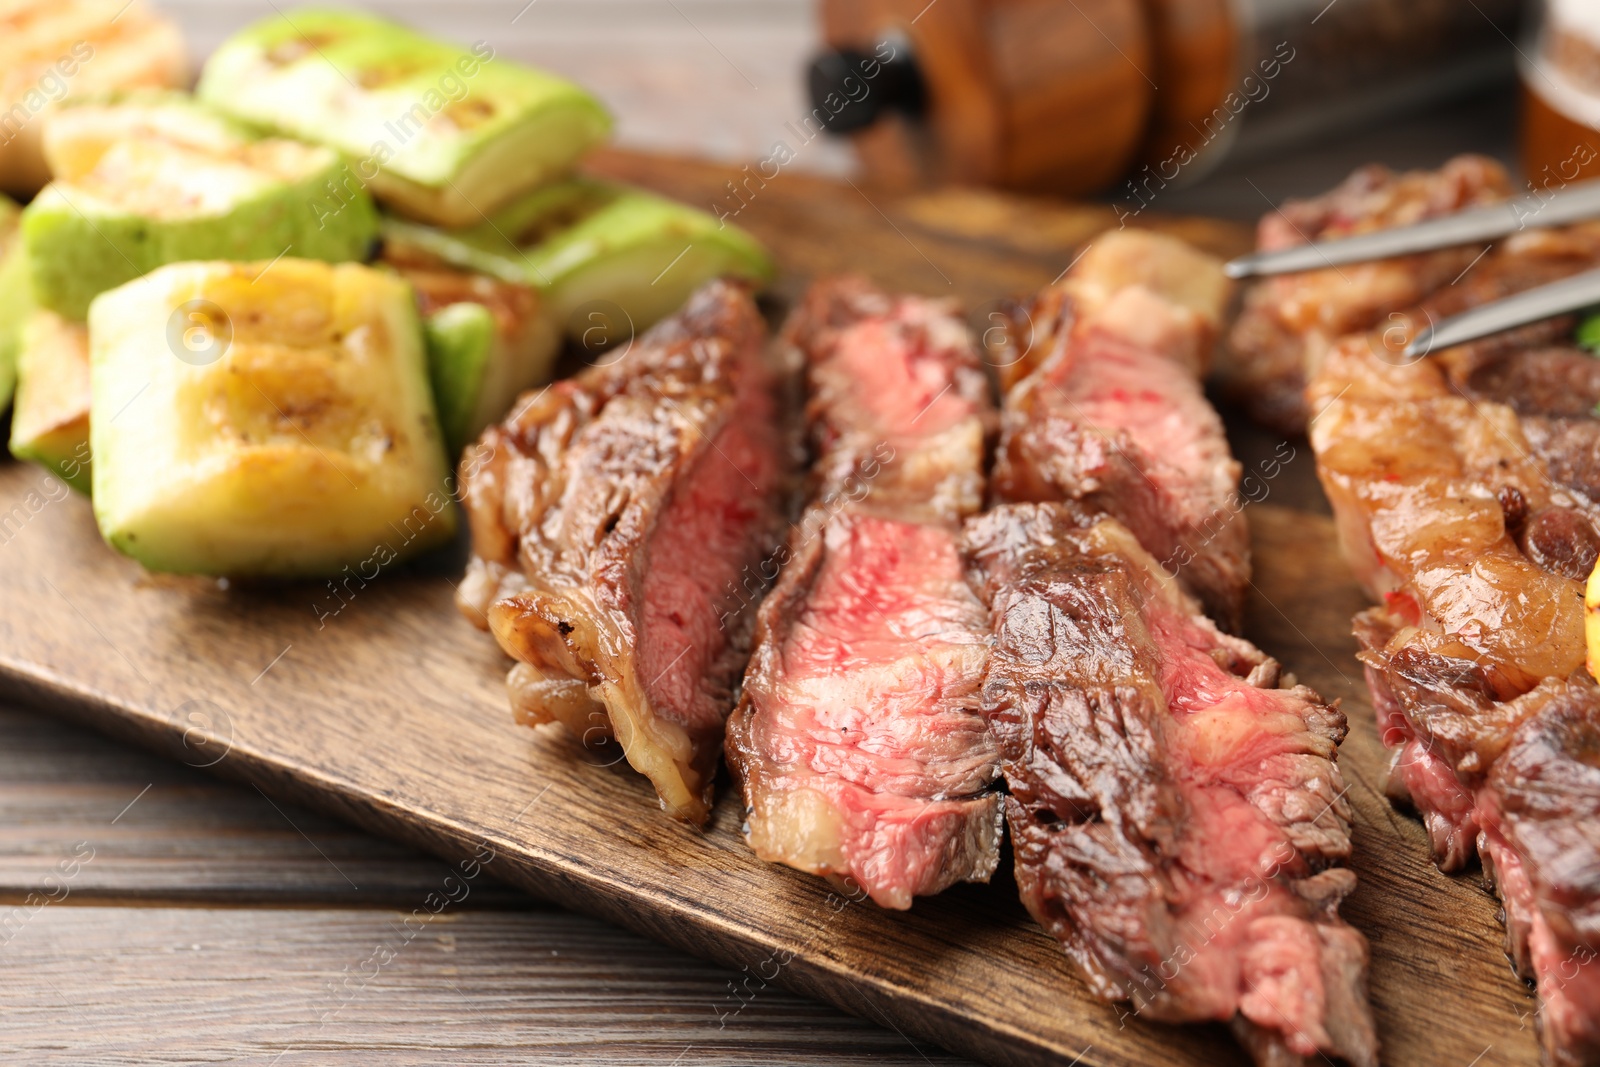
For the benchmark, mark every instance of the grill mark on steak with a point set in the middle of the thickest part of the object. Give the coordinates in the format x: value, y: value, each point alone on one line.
x: 1176, y: 817
x: 607, y: 514
x: 1465, y: 488
x: 858, y: 742
x: 1110, y: 412
x: 1288, y: 323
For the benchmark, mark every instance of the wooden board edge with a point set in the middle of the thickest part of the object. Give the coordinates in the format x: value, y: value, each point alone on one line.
x: 549, y: 881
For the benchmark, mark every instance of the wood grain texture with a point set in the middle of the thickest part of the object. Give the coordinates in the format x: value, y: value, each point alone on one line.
x: 392, y: 714
x: 165, y: 832
x: 300, y: 988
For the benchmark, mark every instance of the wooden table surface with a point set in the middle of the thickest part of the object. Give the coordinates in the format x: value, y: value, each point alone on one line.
x: 206, y: 923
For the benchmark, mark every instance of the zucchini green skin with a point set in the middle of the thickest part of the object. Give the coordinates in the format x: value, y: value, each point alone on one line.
x: 460, y: 340
x: 443, y: 132
x: 50, y: 425
x: 78, y: 246
x: 586, y: 240
x: 14, y: 298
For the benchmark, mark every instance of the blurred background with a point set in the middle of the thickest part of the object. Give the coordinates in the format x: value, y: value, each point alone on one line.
x: 1198, y: 106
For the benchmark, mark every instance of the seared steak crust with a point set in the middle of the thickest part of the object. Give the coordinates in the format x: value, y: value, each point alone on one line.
x: 1540, y: 812
x: 858, y: 742
x: 1466, y: 489
x: 1176, y: 815
x: 607, y: 513
x: 1106, y: 410
x: 1288, y: 322
x: 1516, y: 782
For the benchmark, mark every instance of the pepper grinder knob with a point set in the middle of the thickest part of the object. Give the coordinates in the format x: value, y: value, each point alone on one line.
x: 851, y: 88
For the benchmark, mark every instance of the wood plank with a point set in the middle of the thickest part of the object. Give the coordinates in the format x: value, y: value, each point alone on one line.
x: 163, y: 831
x: 393, y: 715
x: 292, y: 987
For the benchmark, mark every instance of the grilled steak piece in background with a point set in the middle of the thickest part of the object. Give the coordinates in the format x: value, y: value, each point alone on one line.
x: 1175, y: 815
x: 1105, y: 409
x: 1540, y: 843
x: 609, y: 512
x: 1289, y: 322
x: 858, y: 741
x: 1464, y: 486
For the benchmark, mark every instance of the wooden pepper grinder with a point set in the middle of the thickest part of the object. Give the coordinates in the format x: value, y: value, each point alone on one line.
x: 1072, y: 96
x: 1034, y: 95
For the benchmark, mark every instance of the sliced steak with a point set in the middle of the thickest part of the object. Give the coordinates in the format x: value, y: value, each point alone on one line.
x: 1176, y: 815
x: 1540, y: 812
x: 1465, y: 489
x: 858, y: 741
x: 894, y: 387
x: 1289, y: 322
x: 608, y: 513
x: 1516, y: 782
x: 1110, y: 413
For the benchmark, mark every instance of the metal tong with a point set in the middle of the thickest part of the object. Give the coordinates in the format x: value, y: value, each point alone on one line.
x: 1575, y: 203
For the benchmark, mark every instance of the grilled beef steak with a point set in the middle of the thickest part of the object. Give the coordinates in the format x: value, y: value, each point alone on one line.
x: 857, y: 740
x: 1466, y: 487
x: 1176, y: 815
x: 1289, y: 322
x: 1106, y: 409
x: 608, y: 514
x: 1540, y: 841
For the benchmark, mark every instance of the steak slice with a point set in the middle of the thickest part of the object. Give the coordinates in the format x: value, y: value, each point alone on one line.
x: 1518, y: 783
x: 894, y: 387
x: 1176, y: 815
x: 1289, y: 322
x: 858, y: 741
x: 1110, y: 414
x: 1465, y: 488
x: 1540, y: 813
x: 608, y: 513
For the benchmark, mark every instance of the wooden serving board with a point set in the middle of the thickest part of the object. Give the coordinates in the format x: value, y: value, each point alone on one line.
x: 392, y: 714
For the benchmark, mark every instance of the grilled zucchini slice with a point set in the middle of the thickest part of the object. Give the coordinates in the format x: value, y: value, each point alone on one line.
x: 14, y: 299
x: 51, y: 422
x: 155, y: 180
x: 588, y: 243
x: 265, y: 419
x: 440, y: 133
x: 52, y: 50
x: 488, y: 341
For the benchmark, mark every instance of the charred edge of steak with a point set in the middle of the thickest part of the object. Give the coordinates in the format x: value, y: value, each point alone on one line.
x: 1111, y: 414
x: 1144, y: 866
x: 1032, y: 330
x: 583, y: 506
